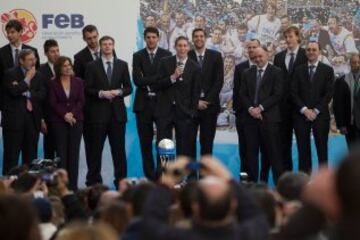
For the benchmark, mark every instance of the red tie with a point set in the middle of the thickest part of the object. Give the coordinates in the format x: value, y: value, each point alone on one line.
x: 29, y: 106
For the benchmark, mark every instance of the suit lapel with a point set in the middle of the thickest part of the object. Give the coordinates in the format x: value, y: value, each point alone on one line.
x: 102, y: 70
x: 265, y: 76
x: 283, y: 57
x: 253, y: 81
x: 115, y: 70
x: 9, y: 57
x: 187, y: 69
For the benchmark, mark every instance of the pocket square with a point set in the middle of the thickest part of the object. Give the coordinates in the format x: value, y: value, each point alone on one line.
x: 15, y: 83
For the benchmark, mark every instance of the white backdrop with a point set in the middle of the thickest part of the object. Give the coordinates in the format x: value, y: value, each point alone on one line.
x: 112, y: 17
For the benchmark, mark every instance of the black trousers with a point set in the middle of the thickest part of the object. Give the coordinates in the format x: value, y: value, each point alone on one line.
x: 68, y: 139
x: 353, y: 136
x: 205, y: 122
x: 115, y: 131
x: 49, y: 142
x: 263, y: 136
x: 24, y: 139
x: 286, y: 131
x: 145, y: 121
x: 265, y: 166
x: 320, y: 130
x: 183, y: 125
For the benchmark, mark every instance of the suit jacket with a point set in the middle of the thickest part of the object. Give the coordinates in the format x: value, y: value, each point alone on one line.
x: 212, y: 77
x: 14, y: 103
x: 81, y: 59
x: 144, y: 75
x: 269, y: 96
x: 315, y: 94
x: 185, y: 93
x: 279, y: 61
x: 342, y: 104
x: 101, y: 110
x: 7, y: 60
x: 239, y: 69
x: 48, y: 75
x: 60, y: 104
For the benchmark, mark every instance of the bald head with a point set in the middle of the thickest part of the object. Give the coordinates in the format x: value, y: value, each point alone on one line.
x: 214, y: 200
x: 261, y: 56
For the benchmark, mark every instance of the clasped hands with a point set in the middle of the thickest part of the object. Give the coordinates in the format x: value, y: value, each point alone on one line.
x: 310, y: 114
x: 109, y: 94
x: 69, y: 118
x: 255, y: 112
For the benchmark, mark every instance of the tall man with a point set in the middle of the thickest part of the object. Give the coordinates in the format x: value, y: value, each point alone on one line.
x: 312, y: 90
x: 51, y: 50
x: 251, y: 46
x: 21, y: 117
x: 107, y: 82
x: 347, y: 102
x: 212, y: 77
x: 260, y: 93
x: 288, y: 60
x: 9, y: 54
x: 88, y: 54
x: 179, y: 84
x: 145, y: 65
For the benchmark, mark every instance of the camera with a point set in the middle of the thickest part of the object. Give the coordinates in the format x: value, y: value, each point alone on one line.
x: 45, y: 169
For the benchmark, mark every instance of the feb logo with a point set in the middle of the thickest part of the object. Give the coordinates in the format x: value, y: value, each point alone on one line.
x: 27, y: 19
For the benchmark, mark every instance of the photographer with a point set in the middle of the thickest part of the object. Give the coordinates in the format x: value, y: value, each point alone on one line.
x: 223, y: 209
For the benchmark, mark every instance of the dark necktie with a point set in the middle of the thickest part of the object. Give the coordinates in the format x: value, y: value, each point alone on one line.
x: 311, y: 72
x: 109, y: 71
x: 97, y: 55
x: 291, y: 62
x: 16, y: 58
x: 258, y: 82
x: 201, y: 60
x: 152, y: 55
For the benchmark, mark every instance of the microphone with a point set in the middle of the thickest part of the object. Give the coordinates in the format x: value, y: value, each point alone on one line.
x: 180, y: 65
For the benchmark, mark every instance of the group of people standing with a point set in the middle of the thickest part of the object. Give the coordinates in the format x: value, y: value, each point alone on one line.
x: 66, y: 101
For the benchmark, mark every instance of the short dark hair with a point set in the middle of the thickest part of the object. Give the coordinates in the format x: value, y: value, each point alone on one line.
x: 25, y: 52
x: 151, y: 30
x: 139, y: 196
x: 256, y: 40
x: 181, y: 38
x: 295, y: 30
x: 49, y: 44
x: 105, y: 38
x: 316, y: 43
x: 89, y: 28
x: 198, y: 30
x: 291, y: 184
x: 59, y: 63
x: 16, y: 24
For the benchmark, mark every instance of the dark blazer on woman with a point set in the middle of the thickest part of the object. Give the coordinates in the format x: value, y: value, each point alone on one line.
x: 61, y: 105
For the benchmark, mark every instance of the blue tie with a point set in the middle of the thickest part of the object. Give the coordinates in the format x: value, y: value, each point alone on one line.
x: 109, y: 71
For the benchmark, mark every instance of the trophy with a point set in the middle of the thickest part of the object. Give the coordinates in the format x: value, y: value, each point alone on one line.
x: 166, y: 151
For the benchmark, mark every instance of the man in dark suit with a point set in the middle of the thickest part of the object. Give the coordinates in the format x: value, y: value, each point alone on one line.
x: 107, y: 82
x: 10, y: 52
x: 288, y: 60
x: 212, y: 78
x: 260, y: 94
x: 312, y: 90
x: 237, y: 106
x: 51, y: 49
x: 178, y: 98
x: 145, y: 64
x: 346, y: 102
x: 21, y: 117
x: 88, y: 54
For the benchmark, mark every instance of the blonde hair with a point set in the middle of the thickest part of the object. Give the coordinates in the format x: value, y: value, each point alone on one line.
x: 82, y: 231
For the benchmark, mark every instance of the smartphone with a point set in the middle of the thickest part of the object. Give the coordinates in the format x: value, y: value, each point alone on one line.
x: 194, y: 166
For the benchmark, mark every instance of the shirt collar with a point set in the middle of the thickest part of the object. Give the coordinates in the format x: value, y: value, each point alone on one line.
x: 314, y: 64
x: 23, y: 70
x: 263, y: 68
x: 200, y: 53
x: 105, y: 60
x: 94, y: 51
x: 183, y: 61
x: 13, y: 47
x: 51, y: 65
x: 153, y: 51
x: 295, y: 51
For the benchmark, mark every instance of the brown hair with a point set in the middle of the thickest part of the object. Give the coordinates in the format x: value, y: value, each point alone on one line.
x: 59, y: 64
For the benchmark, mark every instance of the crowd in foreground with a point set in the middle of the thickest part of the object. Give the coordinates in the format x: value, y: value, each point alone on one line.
x: 215, y: 207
